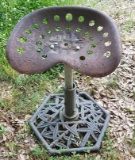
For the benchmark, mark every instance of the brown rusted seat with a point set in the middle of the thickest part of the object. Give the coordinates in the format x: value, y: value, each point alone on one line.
x: 84, y: 39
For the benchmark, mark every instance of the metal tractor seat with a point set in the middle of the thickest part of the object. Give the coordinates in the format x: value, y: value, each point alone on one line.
x: 85, y: 40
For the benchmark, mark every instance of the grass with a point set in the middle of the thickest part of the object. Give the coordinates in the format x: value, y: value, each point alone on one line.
x: 2, y: 130
x: 27, y: 92
x: 131, y: 143
x: 113, y: 82
x: 107, y: 150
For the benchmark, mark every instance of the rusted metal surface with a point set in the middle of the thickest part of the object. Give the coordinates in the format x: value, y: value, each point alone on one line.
x: 84, y: 39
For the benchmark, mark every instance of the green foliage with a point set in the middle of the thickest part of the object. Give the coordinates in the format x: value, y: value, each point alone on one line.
x: 113, y: 82
x: 40, y: 153
x: 93, y: 159
x: 129, y: 24
x: 11, y: 154
x: 2, y: 130
x: 107, y: 148
x: 37, y: 151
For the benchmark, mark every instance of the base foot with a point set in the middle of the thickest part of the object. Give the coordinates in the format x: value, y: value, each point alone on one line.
x: 61, y: 136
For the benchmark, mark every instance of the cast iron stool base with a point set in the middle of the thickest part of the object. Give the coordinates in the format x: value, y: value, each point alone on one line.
x: 61, y: 136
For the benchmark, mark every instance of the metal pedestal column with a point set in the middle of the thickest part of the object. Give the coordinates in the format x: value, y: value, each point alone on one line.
x: 70, y: 112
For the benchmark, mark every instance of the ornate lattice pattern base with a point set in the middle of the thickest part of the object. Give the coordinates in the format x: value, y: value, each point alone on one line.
x: 59, y: 135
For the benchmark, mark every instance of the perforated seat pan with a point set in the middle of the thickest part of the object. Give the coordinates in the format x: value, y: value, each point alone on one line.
x: 84, y: 39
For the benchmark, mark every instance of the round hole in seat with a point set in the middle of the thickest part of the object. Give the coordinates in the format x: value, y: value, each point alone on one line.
x: 23, y: 39
x: 57, y: 28
x: 105, y: 34
x: 65, y: 44
x: 36, y: 25
x: 82, y: 58
x: 28, y: 31
x: 89, y: 52
x: 39, y: 50
x: 81, y: 19
x: 93, y: 45
x: 42, y: 37
x: 20, y: 50
x: 68, y: 28
x: 49, y: 31
x: 108, y: 43
x: 69, y: 17
x: 107, y: 54
x: 92, y: 23
x: 86, y: 33
x: 78, y: 29
x: 91, y: 38
x: 44, y: 56
x: 57, y: 18
x: 45, y: 21
x: 100, y: 28
x: 38, y: 43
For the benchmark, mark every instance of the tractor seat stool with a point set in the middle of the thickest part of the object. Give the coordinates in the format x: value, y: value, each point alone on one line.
x: 85, y: 40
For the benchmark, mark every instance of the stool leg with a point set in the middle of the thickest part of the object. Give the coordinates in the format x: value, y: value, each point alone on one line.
x: 68, y: 77
x: 70, y: 112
